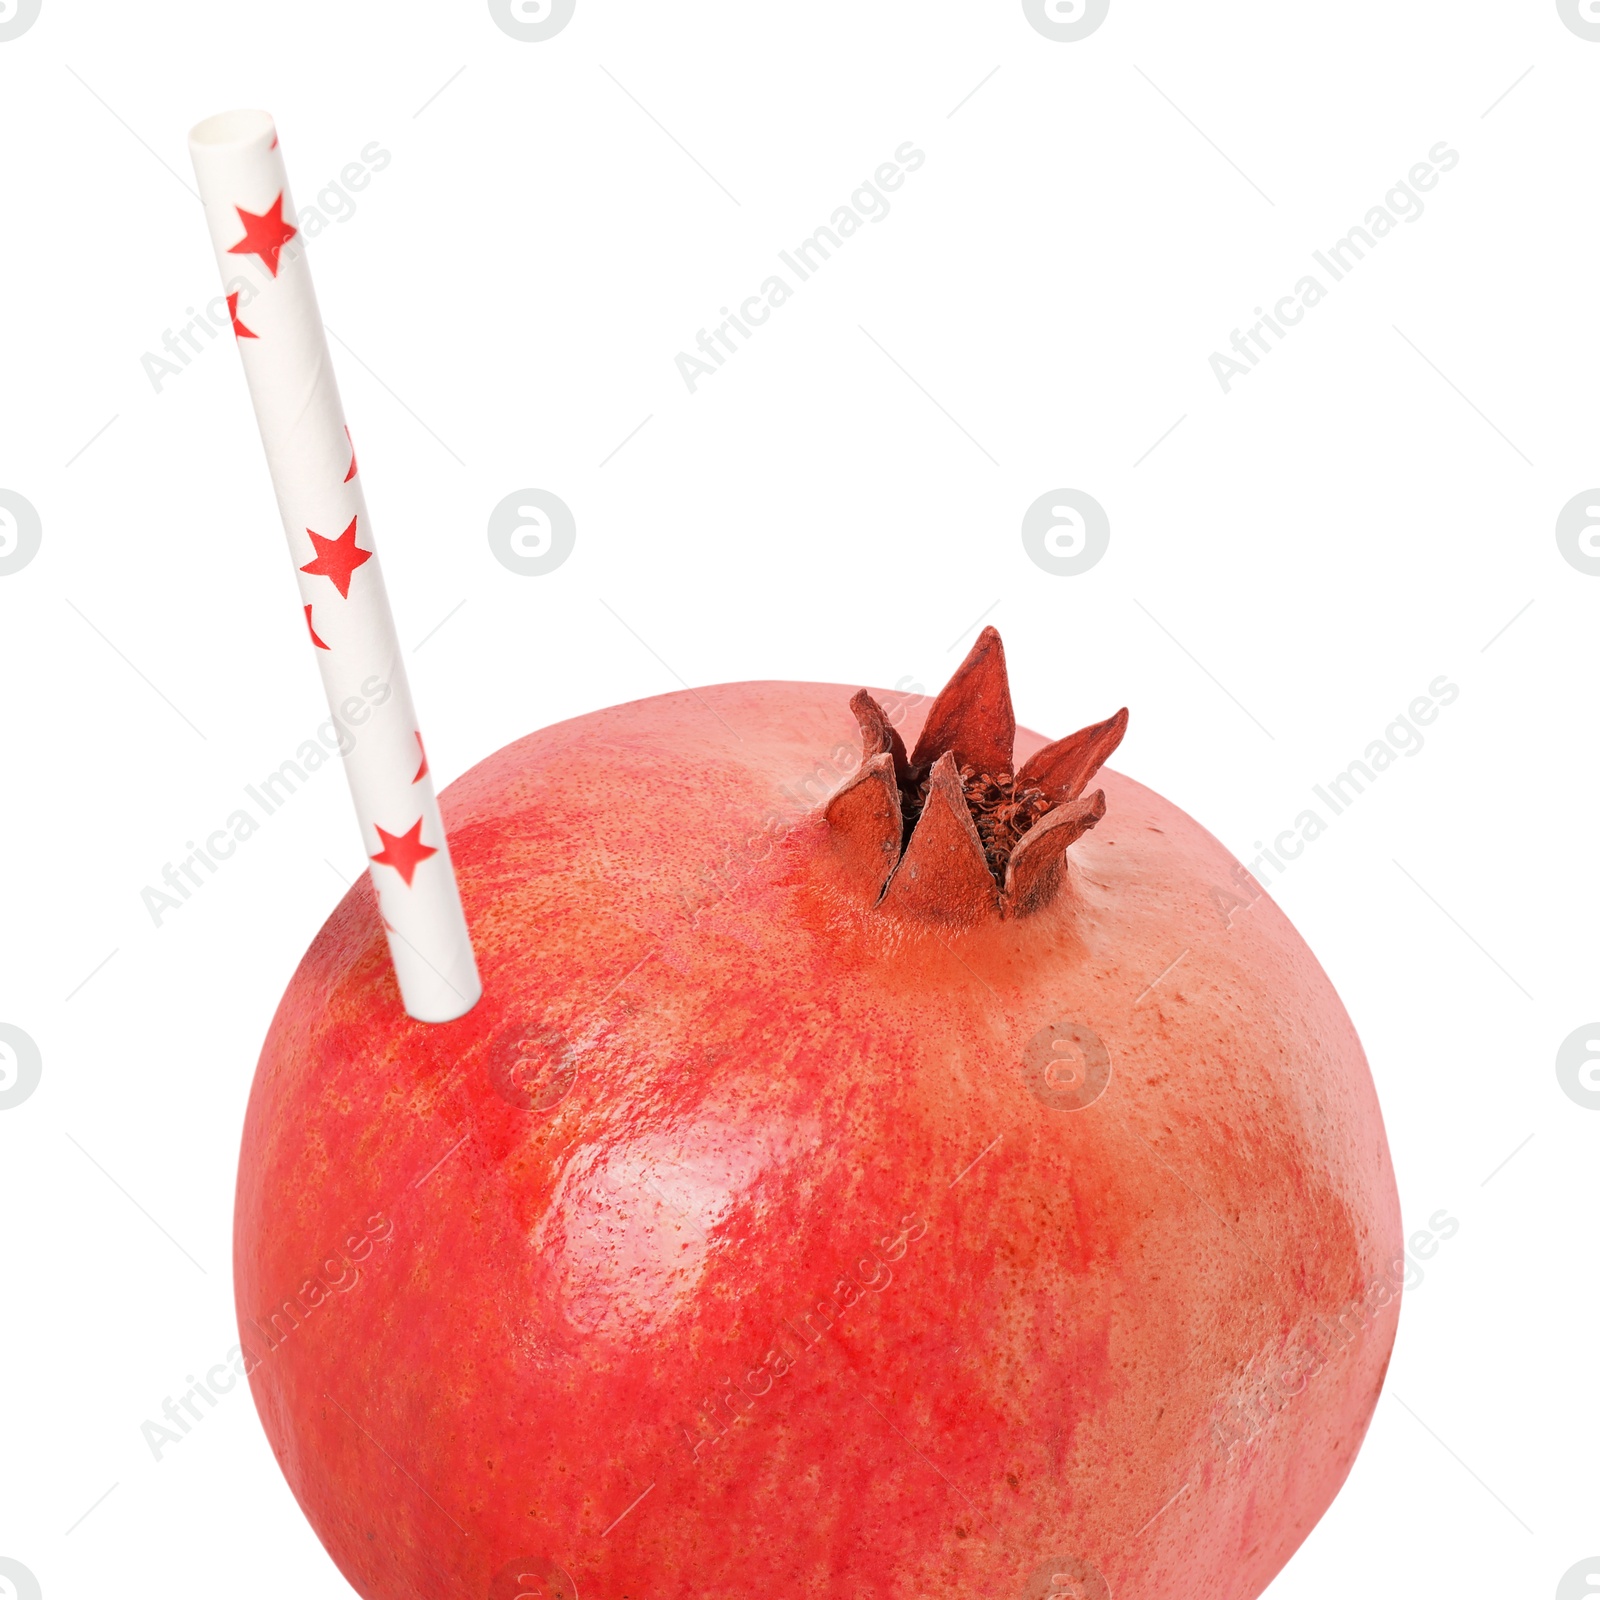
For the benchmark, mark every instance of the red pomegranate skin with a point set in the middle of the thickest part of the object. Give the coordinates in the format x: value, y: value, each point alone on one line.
x: 779, y: 1266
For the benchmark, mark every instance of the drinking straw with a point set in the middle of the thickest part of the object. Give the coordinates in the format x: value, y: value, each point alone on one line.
x: 267, y: 283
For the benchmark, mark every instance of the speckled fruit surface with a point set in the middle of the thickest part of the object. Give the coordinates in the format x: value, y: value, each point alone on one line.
x: 751, y: 1237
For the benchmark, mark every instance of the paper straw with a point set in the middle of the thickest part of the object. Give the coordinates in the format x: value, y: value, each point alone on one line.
x: 351, y: 630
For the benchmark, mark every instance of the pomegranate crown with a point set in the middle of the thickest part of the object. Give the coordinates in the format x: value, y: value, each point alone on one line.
x: 953, y: 832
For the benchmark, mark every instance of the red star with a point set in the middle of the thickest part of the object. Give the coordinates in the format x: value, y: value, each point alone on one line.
x: 264, y: 236
x: 422, y: 771
x: 239, y: 329
x: 404, y: 851
x: 313, y: 632
x: 352, y: 472
x: 337, y: 558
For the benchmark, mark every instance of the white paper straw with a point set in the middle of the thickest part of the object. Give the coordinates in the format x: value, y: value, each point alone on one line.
x: 351, y: 630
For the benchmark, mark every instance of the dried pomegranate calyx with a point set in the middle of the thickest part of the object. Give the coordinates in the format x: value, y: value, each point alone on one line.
x: 972, y: 716
x: 976, y: 836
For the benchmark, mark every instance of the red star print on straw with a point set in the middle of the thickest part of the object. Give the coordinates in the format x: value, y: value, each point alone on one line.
x: 313, y: 632
x: 264, y: 236
x: 337, y: 558
x: 422, y: 771
x: 352, y: 472
x: 404, y: 851
x: 239, y: 329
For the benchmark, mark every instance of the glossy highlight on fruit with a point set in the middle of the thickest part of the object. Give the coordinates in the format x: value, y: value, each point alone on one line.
x: 890, y: 1158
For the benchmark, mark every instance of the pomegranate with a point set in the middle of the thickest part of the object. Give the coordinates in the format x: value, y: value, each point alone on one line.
x: 872, y: 1175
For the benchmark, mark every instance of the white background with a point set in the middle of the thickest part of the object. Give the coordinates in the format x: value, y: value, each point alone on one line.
x: 1288, y: 568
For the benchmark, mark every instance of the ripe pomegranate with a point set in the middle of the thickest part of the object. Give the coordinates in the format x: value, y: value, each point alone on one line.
x: 854, y: 1198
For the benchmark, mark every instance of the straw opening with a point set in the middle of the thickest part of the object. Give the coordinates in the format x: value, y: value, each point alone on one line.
x: 232, y: 127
